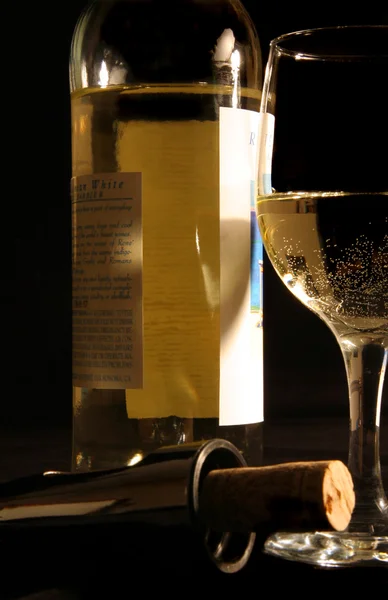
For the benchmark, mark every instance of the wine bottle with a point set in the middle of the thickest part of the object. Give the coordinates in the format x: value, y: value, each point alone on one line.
x: 167, y: 259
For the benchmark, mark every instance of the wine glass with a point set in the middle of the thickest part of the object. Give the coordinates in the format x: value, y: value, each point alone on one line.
x: 322, y: 210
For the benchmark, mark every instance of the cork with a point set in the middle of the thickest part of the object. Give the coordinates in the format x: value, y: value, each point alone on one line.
x: 293, y: 496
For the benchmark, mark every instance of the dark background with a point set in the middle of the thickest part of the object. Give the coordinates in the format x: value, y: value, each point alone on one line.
x: 304, y: 371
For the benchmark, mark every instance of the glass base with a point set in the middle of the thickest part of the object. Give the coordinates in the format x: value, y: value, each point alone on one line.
x: 330, y: 549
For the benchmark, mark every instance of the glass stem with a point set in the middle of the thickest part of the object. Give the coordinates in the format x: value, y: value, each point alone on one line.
x: 366, y: 361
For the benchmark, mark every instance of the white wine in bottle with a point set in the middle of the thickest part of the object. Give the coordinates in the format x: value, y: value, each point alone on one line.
x: 167, y: 258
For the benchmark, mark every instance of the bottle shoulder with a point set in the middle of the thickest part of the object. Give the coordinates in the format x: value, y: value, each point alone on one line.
x: 131, y: 42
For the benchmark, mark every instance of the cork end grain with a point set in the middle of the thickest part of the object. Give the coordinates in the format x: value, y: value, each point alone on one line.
x: 338, y: 495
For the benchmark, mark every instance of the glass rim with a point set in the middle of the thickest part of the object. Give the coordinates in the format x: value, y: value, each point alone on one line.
x: 277, y: 43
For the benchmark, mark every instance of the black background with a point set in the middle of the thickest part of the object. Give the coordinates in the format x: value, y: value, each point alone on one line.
x: 304, y: 371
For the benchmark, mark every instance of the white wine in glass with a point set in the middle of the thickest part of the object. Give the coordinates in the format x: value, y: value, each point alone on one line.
x: 322, y: 210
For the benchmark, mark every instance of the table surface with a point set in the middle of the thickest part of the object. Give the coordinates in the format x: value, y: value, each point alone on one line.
x: 93, y: 563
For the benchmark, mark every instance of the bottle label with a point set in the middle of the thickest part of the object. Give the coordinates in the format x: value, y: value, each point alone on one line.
x: 267, y: 127
x: 241, y: 266
x: 107, y: 281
